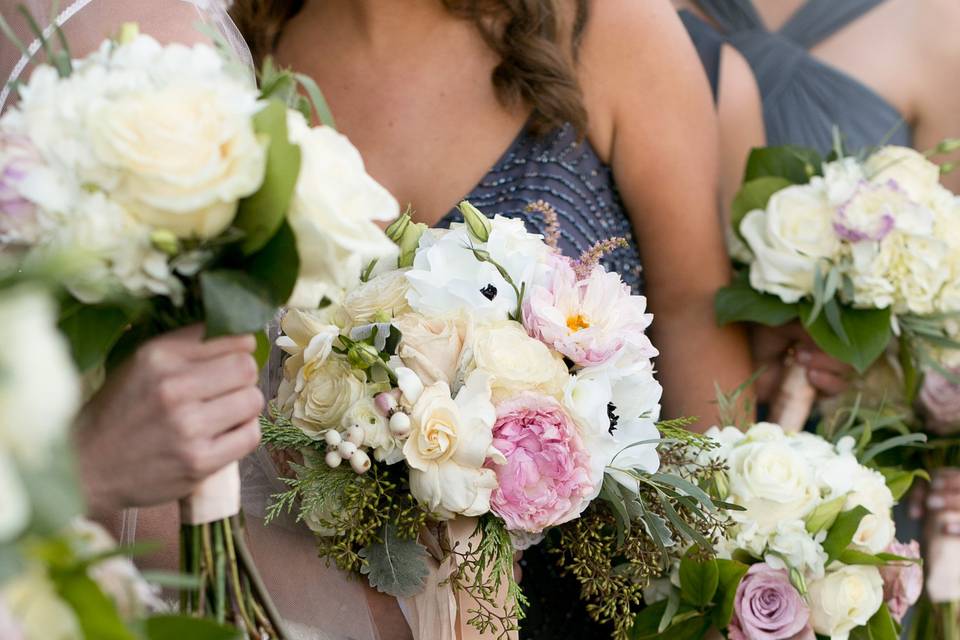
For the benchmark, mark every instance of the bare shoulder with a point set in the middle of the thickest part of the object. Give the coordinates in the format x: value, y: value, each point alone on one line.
x: 738, y: 85
x: 935, y: 27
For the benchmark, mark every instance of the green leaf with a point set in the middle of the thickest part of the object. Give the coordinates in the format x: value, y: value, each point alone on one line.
x: 53, y: 491
x: 92, y: 331
x: 324, y: 114
x: 868, y: 334
x: 699, y: 579
x: 796, y: 164
x: 899, y: 481
x: 731, y: 573
x: 906, y: 440
x: 753, y: 195
x: 685, y: 486
x: 852, y: 556
x: 97, y: 614
x: 396, y: 566
x: 259, y: 216
x: 842, y: 532
x: 646, y: 624
x: 172, y: 627
x: 277, y: 264
x: 234, y: 303
x: 824, y: 515
x: 739, y: 302
x: 882, y: 626
x: 262, y: 352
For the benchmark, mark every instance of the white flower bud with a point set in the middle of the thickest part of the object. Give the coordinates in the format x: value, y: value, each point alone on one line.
x: 410, y: 385
x: 346, y: 450
x: 333, y: 459
x: 360, y: 462
x: 400, y: 424
x: 333, y: 438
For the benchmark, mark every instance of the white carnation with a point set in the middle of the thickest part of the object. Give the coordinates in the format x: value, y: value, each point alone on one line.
x: 792, y: 546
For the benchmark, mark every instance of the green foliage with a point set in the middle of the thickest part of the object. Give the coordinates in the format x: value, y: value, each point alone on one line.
x: 699, y: 578
x: 841, y: 533
x: 261, y: 214
x: 234, y: 303
x: 731, y: 573
x: 395, y: 566
x: 899, y: 481
x: 796, y: 164
x: 755, y: 194
x: 823, y: 517
x: 96, y: 612
x: 854, y: 336
x: 276, y: 265
x: 92, y: 331
x: 172, y: 627
x: 739, y: 302
x: 880, y: 627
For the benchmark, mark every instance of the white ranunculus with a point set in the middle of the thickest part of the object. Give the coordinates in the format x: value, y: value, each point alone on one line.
x: 180, y: 157
x: 876, y: 530
x: 772, y: 481
x: 450, y: 441
x: 334, y: 214
x: 385, y: 294
x: 514, y: 361
x: 376, y: 431
x: 844, y: 599
x: 39, y: 387
x: 789, y: 239
x: 791, y: 546
x: 447, y: 278
x: 908, y: 168
x: 32, y: 600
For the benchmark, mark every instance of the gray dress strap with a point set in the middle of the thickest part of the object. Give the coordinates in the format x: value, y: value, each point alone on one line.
x: 817, y: 20
x: 732, y: 15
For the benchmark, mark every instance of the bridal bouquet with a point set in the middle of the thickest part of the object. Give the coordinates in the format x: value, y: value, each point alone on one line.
x: 864, y: 251
x: 462, y: 401
x: 182, y: 194
x: 813, y: 550
x: 60, y: 575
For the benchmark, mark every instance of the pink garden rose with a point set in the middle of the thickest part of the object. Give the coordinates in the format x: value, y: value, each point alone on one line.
x: 903, y: 581
x: 940, y: 399
x: 768, y: 607
x: 546, y: 480
x: 588, y: 320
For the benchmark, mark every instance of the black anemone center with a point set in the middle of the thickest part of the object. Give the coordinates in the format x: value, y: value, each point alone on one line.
x: 489, y: 292
x: 612, y: 414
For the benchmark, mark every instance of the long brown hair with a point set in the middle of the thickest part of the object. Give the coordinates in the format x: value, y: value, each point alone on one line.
x: 537, y: 50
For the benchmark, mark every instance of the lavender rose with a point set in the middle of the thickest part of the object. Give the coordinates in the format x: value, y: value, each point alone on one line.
x: 940, y: 399
x: 902, y: 581
x: 767, y: 607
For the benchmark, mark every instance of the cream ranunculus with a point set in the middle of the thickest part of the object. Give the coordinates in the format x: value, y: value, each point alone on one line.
x: 334, y: 214
x: 431, y: 347
x: 385, y: 294
x: 844, y: 599
x: 789, y: 239
x: 515, y: 361
x: 772, y: 481
x: 907, y: 167
x: 448, y: 446
x: 41, y: 614
x: 182, y: 156
x: 376, y: 431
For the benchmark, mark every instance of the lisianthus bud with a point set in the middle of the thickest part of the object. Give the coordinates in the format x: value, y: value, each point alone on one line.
x: 128, y: 32
x: 948, y: 145
x: 165, y: 241
x: 397, y: 228
x: 362, y: 355
x: 478, y: 224
x: 406, y: 234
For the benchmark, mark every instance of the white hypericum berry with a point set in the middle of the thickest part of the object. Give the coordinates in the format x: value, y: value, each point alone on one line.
x: 333, y: 459
x: 346, y: 449
x: 355, y: 434
x: 400, y: 424
x: 360, y: 462
x: 332, y: 437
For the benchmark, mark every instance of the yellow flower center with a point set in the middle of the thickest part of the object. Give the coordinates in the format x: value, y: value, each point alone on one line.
x: 577, y: 322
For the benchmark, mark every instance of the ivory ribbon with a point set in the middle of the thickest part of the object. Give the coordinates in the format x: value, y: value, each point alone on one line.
x: 941, y: 566
x: 794, y: 402
x: 439, y: 612
x: 216, y: 498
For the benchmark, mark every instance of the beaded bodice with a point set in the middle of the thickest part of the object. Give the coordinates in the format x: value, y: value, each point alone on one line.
x: 567, y: 174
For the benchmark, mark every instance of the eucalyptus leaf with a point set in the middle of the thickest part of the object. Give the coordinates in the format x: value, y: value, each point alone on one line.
x: 739, y: 302
x: 396, y: 566
x: 234, y: 303
x: 686, y: 487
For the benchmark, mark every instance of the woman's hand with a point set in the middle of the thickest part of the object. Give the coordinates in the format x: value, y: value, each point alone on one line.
x: 773, y: 347
x: 178, y: 410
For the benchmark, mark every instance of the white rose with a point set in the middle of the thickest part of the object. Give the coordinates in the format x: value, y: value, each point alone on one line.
x: 385, y: 294
x: 515, y: 361
x: 320, y: 394
x: 376, y: 430
x: 876, y: 530
x: 726, y: 439
x: 334, y: 214
x: 844, y: 599
x: 789, y: 239
x: 431, y: 347
x: 791, y: 546
x: 181, y: 157
x: 32, y: 600
x: 908, y: 168
x: 772, y: 481
x: 448, y: 446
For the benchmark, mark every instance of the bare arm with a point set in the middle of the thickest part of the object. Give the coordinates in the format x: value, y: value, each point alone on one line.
x: 663, y: 150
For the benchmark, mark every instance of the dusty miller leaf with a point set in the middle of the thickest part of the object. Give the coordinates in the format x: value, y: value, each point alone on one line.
x: 396, y: 566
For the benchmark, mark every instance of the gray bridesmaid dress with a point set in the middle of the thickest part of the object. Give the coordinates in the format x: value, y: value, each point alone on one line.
x: 803, y: 96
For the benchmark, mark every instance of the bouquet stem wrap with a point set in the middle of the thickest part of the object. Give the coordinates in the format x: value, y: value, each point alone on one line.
x: 216, y: 498
x: 943, y: 574
x: 439, y: 612
x: 794, y: 401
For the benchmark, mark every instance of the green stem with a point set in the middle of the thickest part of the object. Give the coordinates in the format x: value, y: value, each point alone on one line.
x: 238, y: 592
x: 948, y: 620
x: 219, y: 572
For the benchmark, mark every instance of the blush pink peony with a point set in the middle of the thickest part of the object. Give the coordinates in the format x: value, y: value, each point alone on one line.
x: 588, y: 320
x: 546, y: 479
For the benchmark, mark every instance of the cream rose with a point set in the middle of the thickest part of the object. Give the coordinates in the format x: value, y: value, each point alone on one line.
x: 334, y: 214
x: 448, y: 446
x: 789, y: 239
x: 182, y: 156
x: 431, y: 347
x: 515, y: 361
x: 384, y: 294
x: 844, y: 599
x: 32, y: 600
x: 911, y: 171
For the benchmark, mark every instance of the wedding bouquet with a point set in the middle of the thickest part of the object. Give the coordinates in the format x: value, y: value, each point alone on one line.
x: 183, y: 194
x: 813, y: 550
x: 462, y: 401
x: 60, y: 575
x: 865, y: 251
